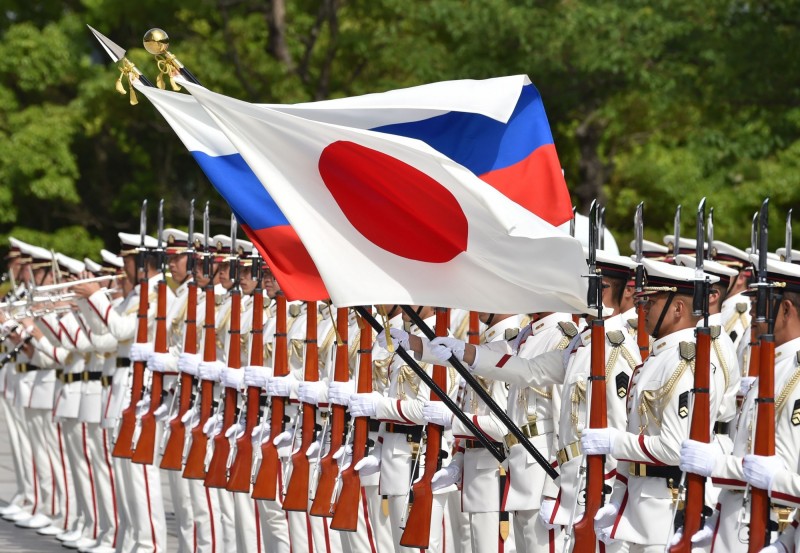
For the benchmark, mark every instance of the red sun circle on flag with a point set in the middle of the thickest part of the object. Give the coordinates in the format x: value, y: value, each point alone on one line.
x: 395, y: 206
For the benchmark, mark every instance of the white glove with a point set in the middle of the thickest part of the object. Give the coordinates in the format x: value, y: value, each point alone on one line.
x: 445, y: 346
x: 158, y: 362
x: 347, y: 453
x: 702, y: 538
x: 745, y: 384
x: 371, y: 463
x: 437, y: 412
x: 282, y: 386
x: 162, y: 412
x: 232, y: 378
x: 546, y: 513
x: 316, y: 445
x: 141, y: 351
x: 142, y: 406
x: 256, y: 376
x: 311, y: 392
x: 284, y: 438
x: 210, y: 370
x: 188, y: 363
x: 236, y: 429
x: 364, y: 405
x: 213, y: 426
x: 191, y: 417
x: 399, y: 338
x: 598, y: 441
x: 604, y: 521
x: 340, y: 392
x: 447, y: 476
x: 699, y: 458
x: 759, y: 470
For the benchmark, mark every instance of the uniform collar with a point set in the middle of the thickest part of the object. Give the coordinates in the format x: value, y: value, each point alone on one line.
x: 672, y: 340
x: 497, y: 331
x: 788, y: 349
x: 615, y: 322
x: 546, y: 323
x: 713, y: 320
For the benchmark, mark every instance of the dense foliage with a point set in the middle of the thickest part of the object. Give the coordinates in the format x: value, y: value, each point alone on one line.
x: 657, y: 101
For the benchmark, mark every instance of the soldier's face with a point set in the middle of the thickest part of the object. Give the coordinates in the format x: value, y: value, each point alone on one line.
x: 653, y: 305
x: 271, y: 284
x: 129, y: 266
x: 177, y: 266
x: 247, y: 284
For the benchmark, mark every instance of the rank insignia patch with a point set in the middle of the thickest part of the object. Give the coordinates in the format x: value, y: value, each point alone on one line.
x: 683, y: 405
x: 622, y: 385
x: 796, y: 413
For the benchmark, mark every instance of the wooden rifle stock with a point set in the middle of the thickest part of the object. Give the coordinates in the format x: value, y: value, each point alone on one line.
x: 265, y: 484
x: 217, y: 474
x: 764, y: 443
x: 146, y: 445
x: 700, y: 430
x: 172, y: 459
x: 239, y: 479
x: 642, y: 338
x: 122, y: 447
x: 417, y: 532
x: 474, y: 332
x: 195, y: 468
x: 345, y: 515
x: 328, y: 468
x: 297, y: 489
x: 583, y: 530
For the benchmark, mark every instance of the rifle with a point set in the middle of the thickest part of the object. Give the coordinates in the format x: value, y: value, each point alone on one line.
x: 239, y: 479
x: 788, y: 238
x: 583, y: 530
x: 765, y: 419
x: 642, y: 338
x: 417, y: 532
x: 172, y: 458
x: 754, y: 356
x: 345, y: 509
x: 144, y: 448
x: 122, y: 447
x: 327, y: 466
x: 700, y: 425
x: 195, y: 459
x: 217, y: 474
x: 265, y: 481
x: 296, y: 498
x: 474, y: 332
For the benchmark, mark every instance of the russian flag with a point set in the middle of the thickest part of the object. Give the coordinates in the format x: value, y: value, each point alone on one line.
x: 257, y: 213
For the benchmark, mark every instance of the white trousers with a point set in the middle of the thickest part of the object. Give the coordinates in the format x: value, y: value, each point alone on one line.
x: 397, y: 508
x: 379, y: 522
x: 274, y: 526
x: 21, y: 454
x: 206, y: 515
x: 146, y: 508
x: 74, y: 438
x: 248, y: 536
x: 103, y: 478
x: 182, y: 506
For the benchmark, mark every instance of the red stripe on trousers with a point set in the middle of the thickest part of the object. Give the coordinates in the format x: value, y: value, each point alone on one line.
x: 91, y: 480
x: 113, y: 487
x: 149, y: 509
x: 367, y: 521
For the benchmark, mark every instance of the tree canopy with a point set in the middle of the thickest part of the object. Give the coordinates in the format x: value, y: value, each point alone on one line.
x: 661, y: 102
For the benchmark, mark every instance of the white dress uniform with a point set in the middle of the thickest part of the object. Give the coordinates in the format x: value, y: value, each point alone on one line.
x: 535, y: 409
x: 141, y: 484
x: 731, y: 532
x: 401, y: 412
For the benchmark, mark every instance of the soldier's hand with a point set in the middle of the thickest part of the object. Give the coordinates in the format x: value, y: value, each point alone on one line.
x: 370, y: 464
x: 598, y: 441
x: 86, y: 289
x: 760, y: 470
x: 364, y: 405
x: 447, y: 476
x: 340, y: 392
x: 699, y: 458
x: 437, y: 412
x: 546, y: 510
x: 398, y: 335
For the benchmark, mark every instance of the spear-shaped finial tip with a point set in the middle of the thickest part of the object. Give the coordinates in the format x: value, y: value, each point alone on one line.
x: 156, y: 41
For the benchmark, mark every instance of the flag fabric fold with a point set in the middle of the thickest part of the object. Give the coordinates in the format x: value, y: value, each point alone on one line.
x: 389, y: 218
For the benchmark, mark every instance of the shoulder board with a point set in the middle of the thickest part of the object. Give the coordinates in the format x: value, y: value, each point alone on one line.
x: 511, y: 333
x: 568, y: 328
x: 742, y: 307
x: 687, y: 350
x: 294, y: 310
x: 716, y: 330
x: 797, y: 357
x: 633, y: 323
x: 616, y: 337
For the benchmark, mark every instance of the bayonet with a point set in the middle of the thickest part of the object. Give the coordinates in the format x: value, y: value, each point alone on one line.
x: 698, y: 302
x: 601, y: 229
x: 788, y: 237
x: 206, y: 249
x: 593, y: 298
x: 763, y: 235
x: 190, y: 251
x: 638, y: 231
x: 572, y: 222
x: 140, y: 258
x: 160, y: 248
x: 676, y: 231
x: 710, y: 234
x: 234, y: 257
x: 754, y: 234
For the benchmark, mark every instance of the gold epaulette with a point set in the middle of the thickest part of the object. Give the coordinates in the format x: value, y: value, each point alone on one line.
x: 687, y: 350
x: 616, y: 337
x: 511, y: 333
x: 568, y: 329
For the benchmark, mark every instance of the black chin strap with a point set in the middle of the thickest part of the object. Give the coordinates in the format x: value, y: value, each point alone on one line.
x: 663, y: 314
x: 489, y: 320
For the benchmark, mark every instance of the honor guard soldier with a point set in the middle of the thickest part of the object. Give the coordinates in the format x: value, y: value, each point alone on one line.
x: 18, y: 271
x: 726, y: 471
x: 641, y: 503
x: 736, y: 306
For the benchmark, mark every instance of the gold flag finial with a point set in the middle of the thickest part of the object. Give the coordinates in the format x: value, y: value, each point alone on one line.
x: 127, y: 69
x: 156, y: 42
